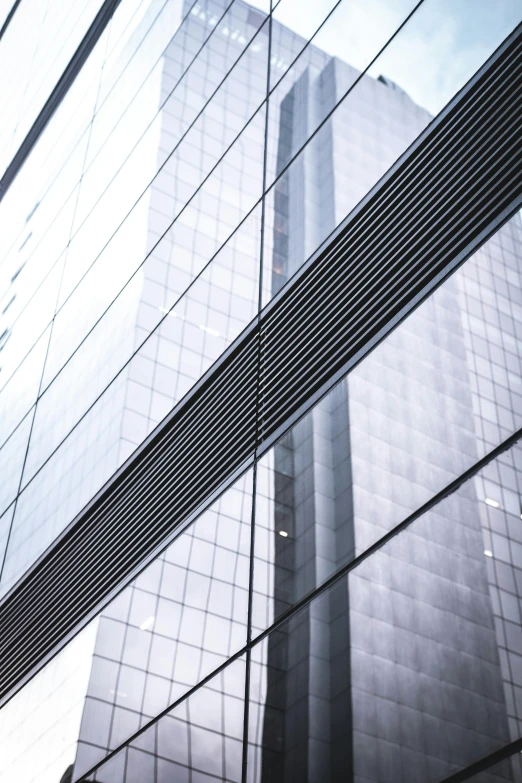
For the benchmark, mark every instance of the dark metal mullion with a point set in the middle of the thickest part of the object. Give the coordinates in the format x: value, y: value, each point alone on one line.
x: 258, y: 347
x: 9, y: 17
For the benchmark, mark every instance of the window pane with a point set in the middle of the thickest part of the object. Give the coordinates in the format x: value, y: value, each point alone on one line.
x: 200, y: 739
x: 508, y: 770
x: 39, y: 726
x: 175, y: 624
x: 373, y: 123
x: 408, y: 668
x: 441, y: 391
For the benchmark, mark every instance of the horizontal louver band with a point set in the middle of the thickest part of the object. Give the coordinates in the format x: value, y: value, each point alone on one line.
x: 432, y: 208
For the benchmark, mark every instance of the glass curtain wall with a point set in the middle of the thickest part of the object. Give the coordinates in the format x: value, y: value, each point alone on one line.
x: 206, y: 151
x: 284, y: 634
x: 334, y: 610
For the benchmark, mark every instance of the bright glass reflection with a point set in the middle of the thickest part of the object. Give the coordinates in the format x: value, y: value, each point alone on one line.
x: 201, y: 739
x: 127, y: 229
x: 39, y: 727
x: 51, y: 31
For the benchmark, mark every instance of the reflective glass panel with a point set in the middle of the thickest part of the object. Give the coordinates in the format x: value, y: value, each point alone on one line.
x: 442, y: 390
x: 200, y: 739
x: 39, y: 726
x: 182, y: 618
x: 409, y: 667
x: 509, y: 770
x: 51, y: 32
x: 335, y: 132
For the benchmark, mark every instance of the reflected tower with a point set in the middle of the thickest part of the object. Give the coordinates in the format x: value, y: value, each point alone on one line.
x: 330, y: 484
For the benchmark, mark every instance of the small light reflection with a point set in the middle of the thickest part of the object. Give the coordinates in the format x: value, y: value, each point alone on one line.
x: 492, y: 503
x: 488, y: 553
x: 148, y: 623
x: 283, y: 533
x: 172, y: 313
x: 213, y: 332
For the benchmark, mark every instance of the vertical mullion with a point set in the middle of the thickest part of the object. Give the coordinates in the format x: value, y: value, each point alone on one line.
x: 256, y: 406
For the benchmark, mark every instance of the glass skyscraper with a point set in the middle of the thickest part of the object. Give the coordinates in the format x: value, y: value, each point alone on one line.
x: 343, y: 602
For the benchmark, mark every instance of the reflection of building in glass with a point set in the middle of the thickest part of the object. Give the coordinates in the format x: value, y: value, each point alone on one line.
x: 410, y: 667
x: 370, y: 453
x: 202, y: 315
x: 371, y: 449
x: 178, y: 622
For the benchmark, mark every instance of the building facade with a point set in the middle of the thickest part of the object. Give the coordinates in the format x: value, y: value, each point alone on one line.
x: 345, y: 605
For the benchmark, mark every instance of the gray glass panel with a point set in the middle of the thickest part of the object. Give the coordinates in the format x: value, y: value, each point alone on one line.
x: 39, y: 727
x: 308, y: 78
x: 5, y: 526
x: 441, y: 391
x: 12, y: 456
x: 20, y: 392
x: 200, y: 739
x: 188, y: 334
x: 408, y: 668
x: 183, y: 617
x: 136, y: 180
x: 193, y: 150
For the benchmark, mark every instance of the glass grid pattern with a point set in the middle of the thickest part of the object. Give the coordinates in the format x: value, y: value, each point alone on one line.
x: 189, y: 147
x: 421, y: 638
x: 216, y: 150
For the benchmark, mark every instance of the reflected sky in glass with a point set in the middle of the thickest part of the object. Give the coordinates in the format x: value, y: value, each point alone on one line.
x: 438, y: 29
